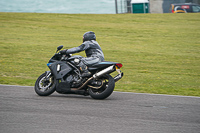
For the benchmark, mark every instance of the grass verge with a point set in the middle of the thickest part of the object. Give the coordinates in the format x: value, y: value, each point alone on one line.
x: 159, y: 52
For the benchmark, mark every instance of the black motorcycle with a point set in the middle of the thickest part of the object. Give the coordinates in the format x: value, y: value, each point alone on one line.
x: 65, y: 77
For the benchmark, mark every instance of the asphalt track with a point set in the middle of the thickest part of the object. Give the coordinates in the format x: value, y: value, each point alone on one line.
x: 22, y: 111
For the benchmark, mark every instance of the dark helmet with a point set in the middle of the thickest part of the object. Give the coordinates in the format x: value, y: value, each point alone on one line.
x: 89, y: 36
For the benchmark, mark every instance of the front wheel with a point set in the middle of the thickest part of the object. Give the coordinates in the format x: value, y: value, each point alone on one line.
x: 45, y: 86
x: 106, y: 90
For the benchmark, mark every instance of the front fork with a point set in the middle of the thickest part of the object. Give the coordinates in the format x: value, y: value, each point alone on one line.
x: 48, y: 74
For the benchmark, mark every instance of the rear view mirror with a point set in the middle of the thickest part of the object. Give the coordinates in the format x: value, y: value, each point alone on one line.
x: 59, y: 48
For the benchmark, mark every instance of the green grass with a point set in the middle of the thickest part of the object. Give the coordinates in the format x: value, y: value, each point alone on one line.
x: 160, y: 53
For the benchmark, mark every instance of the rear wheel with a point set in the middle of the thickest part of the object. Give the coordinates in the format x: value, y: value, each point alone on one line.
x: 45, y: 87
x: 106, y: 89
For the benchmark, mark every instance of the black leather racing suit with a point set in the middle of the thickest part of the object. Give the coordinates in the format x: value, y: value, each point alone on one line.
x: 93, y: 52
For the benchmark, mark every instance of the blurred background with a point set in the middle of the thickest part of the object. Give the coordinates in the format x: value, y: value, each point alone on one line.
x: 86, y: 6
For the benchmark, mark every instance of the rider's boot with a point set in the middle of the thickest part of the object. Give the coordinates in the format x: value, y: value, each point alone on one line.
x: 85, y: 73
x: 84, y: 70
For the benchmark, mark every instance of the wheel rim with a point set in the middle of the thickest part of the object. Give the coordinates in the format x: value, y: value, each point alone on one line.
x: 45, y: 84
x: 102, y: 89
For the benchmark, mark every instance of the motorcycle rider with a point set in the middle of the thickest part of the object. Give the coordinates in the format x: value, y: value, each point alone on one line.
x: 92, y: 49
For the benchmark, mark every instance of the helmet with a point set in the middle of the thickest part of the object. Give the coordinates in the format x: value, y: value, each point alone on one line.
x: 89, y: 36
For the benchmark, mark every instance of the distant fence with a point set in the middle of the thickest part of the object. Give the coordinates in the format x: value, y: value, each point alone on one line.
x: 123, y: 6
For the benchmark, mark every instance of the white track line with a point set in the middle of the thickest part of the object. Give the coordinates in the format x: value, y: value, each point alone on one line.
x: 121, y: 92
x: 158, y: 94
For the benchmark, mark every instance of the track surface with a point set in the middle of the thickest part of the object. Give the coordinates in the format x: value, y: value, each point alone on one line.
x: 22, y: 111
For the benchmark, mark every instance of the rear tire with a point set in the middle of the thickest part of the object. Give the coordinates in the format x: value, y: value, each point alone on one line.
x: 45, y: 87
x: 106, y: 90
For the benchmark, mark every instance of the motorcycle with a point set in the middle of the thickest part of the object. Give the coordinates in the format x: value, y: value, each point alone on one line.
x: 65, y: 77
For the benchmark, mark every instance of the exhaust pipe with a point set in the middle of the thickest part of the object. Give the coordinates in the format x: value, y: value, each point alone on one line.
x: 82, y: 85
x: 104, y: 71
x: 118, y: 77
x: 99, y: 74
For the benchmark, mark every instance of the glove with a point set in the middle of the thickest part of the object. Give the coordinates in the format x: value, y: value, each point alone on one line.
x: 63, y: 51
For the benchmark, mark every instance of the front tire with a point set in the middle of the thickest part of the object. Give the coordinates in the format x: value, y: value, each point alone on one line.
x: 45, y: 87
x: 106, y: 90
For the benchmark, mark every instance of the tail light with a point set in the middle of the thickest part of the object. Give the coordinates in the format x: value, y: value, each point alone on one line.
x: 119, y: 65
